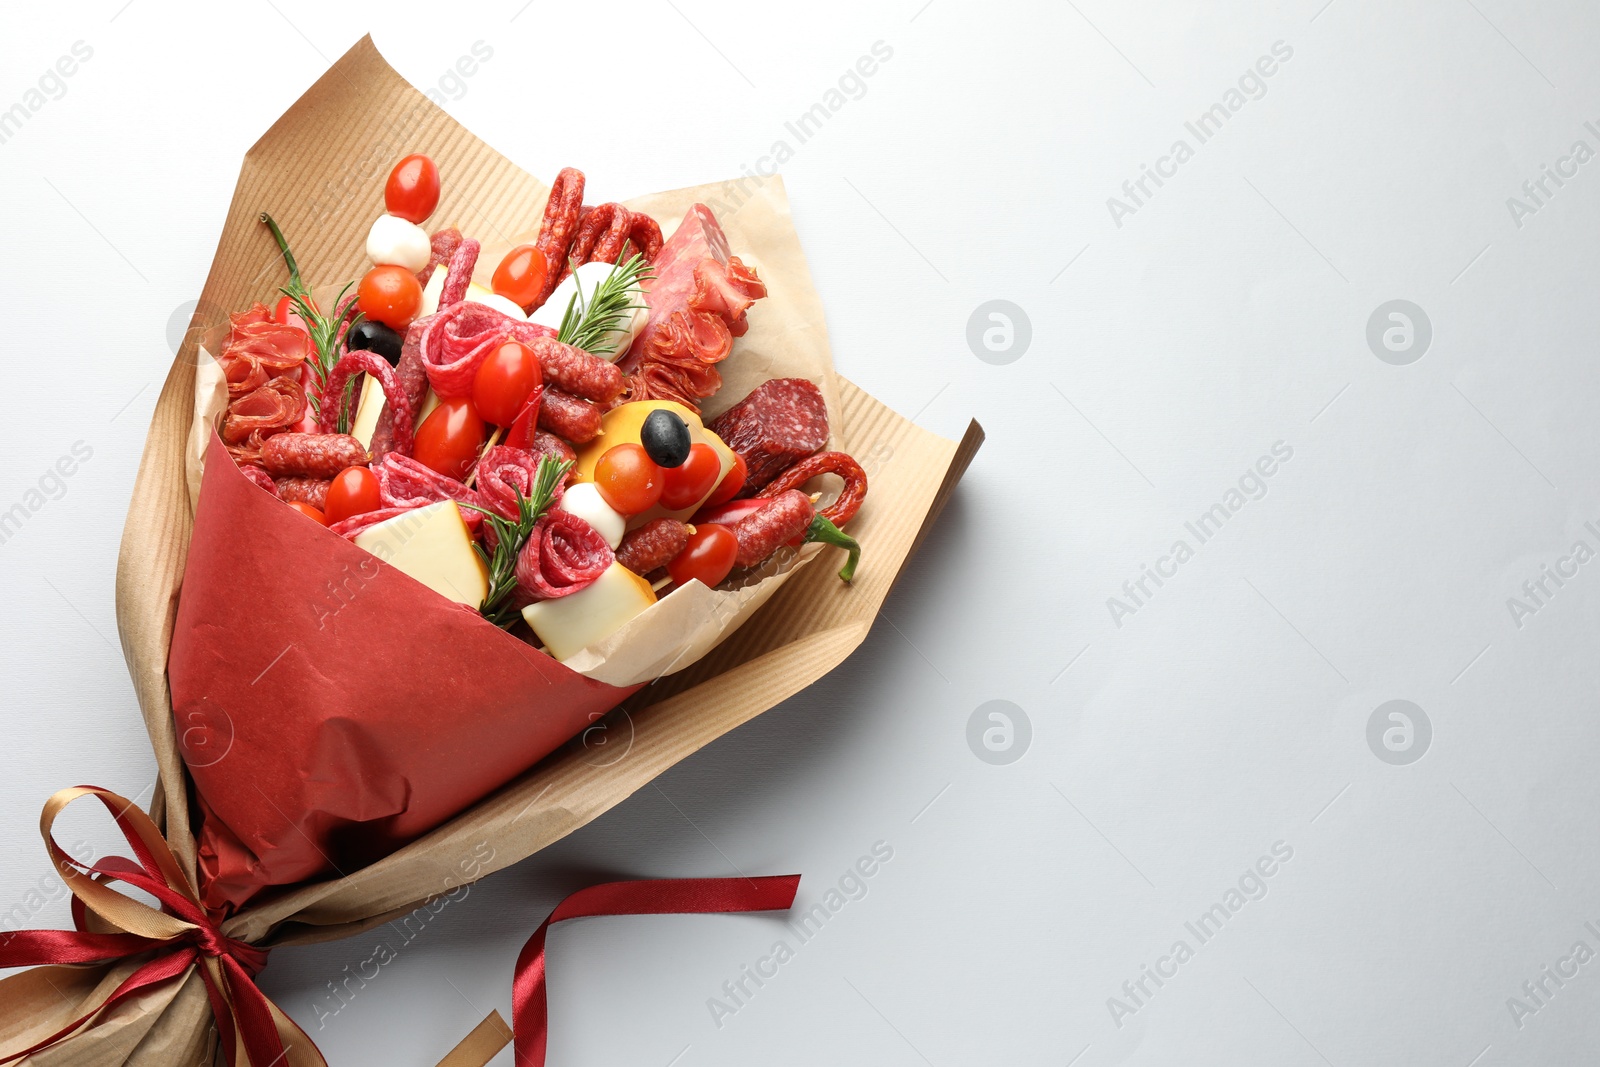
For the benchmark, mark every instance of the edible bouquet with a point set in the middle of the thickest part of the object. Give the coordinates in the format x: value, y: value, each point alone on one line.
x: 469, y: 507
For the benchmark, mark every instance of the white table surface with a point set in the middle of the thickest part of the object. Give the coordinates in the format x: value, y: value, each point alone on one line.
x: 1171, y: 747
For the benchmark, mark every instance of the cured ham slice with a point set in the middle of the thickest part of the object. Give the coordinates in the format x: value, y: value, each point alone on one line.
x: 259, y: 349
x: 274, y: 407
x: 698, y: 301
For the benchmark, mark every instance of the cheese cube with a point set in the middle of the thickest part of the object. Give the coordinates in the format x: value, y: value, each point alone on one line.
x: 569, y: 624
x: 432, y: 545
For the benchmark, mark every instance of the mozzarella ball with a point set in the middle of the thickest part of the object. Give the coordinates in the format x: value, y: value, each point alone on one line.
x: 396, y: 242
x: 585, y: 501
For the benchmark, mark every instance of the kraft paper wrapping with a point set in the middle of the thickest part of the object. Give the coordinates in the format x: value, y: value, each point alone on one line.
x: 352, y: 124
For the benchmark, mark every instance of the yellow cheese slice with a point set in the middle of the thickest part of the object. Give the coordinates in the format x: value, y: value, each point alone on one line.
x: 431, y: 544
x: 368, y: 409
x: 569, y: 624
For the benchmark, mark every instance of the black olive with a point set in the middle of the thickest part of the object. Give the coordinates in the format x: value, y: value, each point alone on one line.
x: 665, y: 437
x: 377, y: 338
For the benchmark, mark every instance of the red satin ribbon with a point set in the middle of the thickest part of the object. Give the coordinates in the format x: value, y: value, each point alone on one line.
x: 182, y: 935
x: 529, y: 1012
x: 228, y: 967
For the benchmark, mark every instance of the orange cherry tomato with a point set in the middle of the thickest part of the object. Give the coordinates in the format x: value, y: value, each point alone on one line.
x: 688, y: 483
x: 391, y: 295
x: 708, y: 556
x: 308, y: 511
x: 450, y: 438
x: 628, y: 479
x: 354, y: 491
x: 412, y: 191
x: 731, y: 483
x: 504, y: 382
x: 521, y: 276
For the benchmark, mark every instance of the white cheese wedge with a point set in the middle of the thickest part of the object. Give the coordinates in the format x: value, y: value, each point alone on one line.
x: 477, y: 294
x: 569, y: 624
x: 433, y: 291
x: 585, y: 501
x: 582, y: 282
x: 368, y: 408
x: 432, y: 545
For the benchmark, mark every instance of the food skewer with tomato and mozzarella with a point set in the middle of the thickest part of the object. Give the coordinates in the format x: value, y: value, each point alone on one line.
x: 534, y: 449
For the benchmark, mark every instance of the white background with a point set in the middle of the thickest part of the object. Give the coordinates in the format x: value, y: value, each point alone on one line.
x: 1168, y: 354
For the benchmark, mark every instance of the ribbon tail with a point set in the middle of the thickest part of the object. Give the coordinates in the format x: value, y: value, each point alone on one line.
x: 676, y: 896
x: 162, y: 969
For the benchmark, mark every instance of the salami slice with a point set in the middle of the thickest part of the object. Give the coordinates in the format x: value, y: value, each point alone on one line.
x: 366, y: 520
x: 455, y: 342
x: 504, y: 473
x: 563, y: 555
x: 260, y: 477
x: 782, y: 421
x: 404, y: 483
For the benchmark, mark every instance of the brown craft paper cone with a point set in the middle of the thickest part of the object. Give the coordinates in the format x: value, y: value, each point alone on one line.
x: 319, y: 170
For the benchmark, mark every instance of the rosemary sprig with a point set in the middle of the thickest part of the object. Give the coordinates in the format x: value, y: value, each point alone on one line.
x: 593, y: 324
x: 327, y: 331
x: 510, y: 535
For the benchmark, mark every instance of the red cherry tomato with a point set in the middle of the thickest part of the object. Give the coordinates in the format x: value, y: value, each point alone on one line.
x: 628, y: 479
x: 412, y: 191
x: 521, y: 276
x: 708, y: 556
x: 308, y: 511
x: 354, y: 491
x: 281, y: 313
x: 390, y: 295
x: 730, y: 485
x: 450, y: 438
x: 504, y: 382
x: 688, y: 483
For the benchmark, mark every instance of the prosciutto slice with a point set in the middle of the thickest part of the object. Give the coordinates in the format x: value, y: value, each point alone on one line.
x: 563, y: 555
x: 405, y: 483
x: 274, y: 407
x: 259, y: 349
x: 698, y: 302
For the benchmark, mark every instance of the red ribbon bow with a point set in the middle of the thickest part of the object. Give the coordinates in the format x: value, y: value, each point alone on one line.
x: 181, y: 935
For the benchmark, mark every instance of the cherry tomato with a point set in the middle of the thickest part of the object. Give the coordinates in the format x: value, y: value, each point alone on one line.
x: 689, y: 482
x: 412, y: 191
x: 281, y: 313
x: 730, y: 485
x: 354, y: 491
x: 390, y: 295
x: 708, y: 556
x: 308, y: 511
x: 504, y: 382
x: 450, y: 438
x: 521, y: 276
x: 628, y: 479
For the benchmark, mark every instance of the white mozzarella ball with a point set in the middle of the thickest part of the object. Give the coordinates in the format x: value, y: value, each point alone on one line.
x: 395, y: 242
x: 585, y: 501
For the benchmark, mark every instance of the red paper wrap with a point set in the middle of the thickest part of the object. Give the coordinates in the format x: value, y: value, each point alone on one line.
x: 332, y: 708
